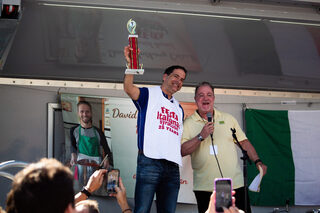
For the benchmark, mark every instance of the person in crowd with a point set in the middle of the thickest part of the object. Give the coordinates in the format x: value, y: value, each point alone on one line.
x: 231, y: 209
x: 121, y: 196
x: 87, y: 206
x: 213, y: 149
x: 160, y: 126
x: 45, y: 186
x: 94, y: 183
x: 89, y: 144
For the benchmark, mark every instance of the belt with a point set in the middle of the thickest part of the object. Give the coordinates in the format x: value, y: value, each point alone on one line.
x: 140, y: 151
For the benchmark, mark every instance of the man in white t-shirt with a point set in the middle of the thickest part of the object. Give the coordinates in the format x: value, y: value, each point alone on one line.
x: 160, y: 126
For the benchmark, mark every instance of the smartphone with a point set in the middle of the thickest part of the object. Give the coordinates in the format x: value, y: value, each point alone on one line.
x: 223, y: 188
x: 112, y: 181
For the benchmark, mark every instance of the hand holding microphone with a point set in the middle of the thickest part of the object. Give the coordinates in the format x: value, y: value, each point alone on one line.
x: 207, y: 130
x: 211, y: 121
x: 208, y: 127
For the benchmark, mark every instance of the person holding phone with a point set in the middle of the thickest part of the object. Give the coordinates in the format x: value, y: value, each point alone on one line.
x: 94, y: 183
x: 47, y: 186
x: 231, y: 209
x: 223, y: 190
x: 121, y: 196
x: 212, y: 149
x: 160, y: 126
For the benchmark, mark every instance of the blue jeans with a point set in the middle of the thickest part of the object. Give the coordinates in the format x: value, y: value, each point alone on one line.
x: 160, y: 177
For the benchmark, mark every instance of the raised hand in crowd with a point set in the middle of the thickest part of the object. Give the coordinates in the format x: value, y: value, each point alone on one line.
x: 231, y: 209
x: 121, y: 196
x: 94, y: 183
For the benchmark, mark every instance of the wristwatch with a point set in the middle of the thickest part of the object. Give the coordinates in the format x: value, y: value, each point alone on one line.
x: 200, y: 138
x: 257, y: 161
x: 86, y: 192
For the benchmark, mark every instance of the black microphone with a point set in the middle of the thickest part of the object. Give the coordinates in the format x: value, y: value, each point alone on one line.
x: 209, y: 116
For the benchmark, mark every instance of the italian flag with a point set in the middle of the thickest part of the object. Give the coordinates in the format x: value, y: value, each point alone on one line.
x: 288, y: 142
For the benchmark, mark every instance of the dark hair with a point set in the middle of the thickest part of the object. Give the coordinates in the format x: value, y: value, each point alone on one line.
x: 203, y: 83
x: 85, y: 103
x: 170, y: 69
x: 45, y: 186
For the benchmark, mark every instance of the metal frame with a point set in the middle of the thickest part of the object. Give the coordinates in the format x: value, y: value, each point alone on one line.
x: 119, y: 86
x: 10, y: 164
x: 50, y: 137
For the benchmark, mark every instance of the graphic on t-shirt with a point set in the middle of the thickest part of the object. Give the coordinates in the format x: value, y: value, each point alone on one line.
x: 168, y: 120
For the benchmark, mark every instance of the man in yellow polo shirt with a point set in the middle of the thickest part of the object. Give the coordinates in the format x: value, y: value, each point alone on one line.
x: 196, y: 141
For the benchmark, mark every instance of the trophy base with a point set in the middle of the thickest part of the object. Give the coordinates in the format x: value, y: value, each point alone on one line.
x: 135, y: 71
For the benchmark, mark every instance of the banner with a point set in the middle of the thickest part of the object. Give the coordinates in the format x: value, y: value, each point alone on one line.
x: 288, y: 143
x: 118, y: 118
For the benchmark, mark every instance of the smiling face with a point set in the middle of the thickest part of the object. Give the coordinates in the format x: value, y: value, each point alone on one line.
x: 85, y: 115
x: 204, y: 99
x: 172, y: 83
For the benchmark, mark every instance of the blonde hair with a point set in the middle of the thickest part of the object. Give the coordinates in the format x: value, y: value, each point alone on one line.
x: 92, y: 205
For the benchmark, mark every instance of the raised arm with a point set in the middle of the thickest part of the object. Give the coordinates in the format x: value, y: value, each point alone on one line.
x: 232, y: 209
x: 121, y: 196
x: 94, y: 183
x: 131, y: 89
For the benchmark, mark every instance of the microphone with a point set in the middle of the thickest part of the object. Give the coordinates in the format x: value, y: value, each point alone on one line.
x: 209, y: 116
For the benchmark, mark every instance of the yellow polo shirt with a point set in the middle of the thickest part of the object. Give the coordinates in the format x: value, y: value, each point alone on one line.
x: 205, y: 168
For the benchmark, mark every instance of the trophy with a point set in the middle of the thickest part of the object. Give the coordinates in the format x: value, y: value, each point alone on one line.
x: 135, y: 67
